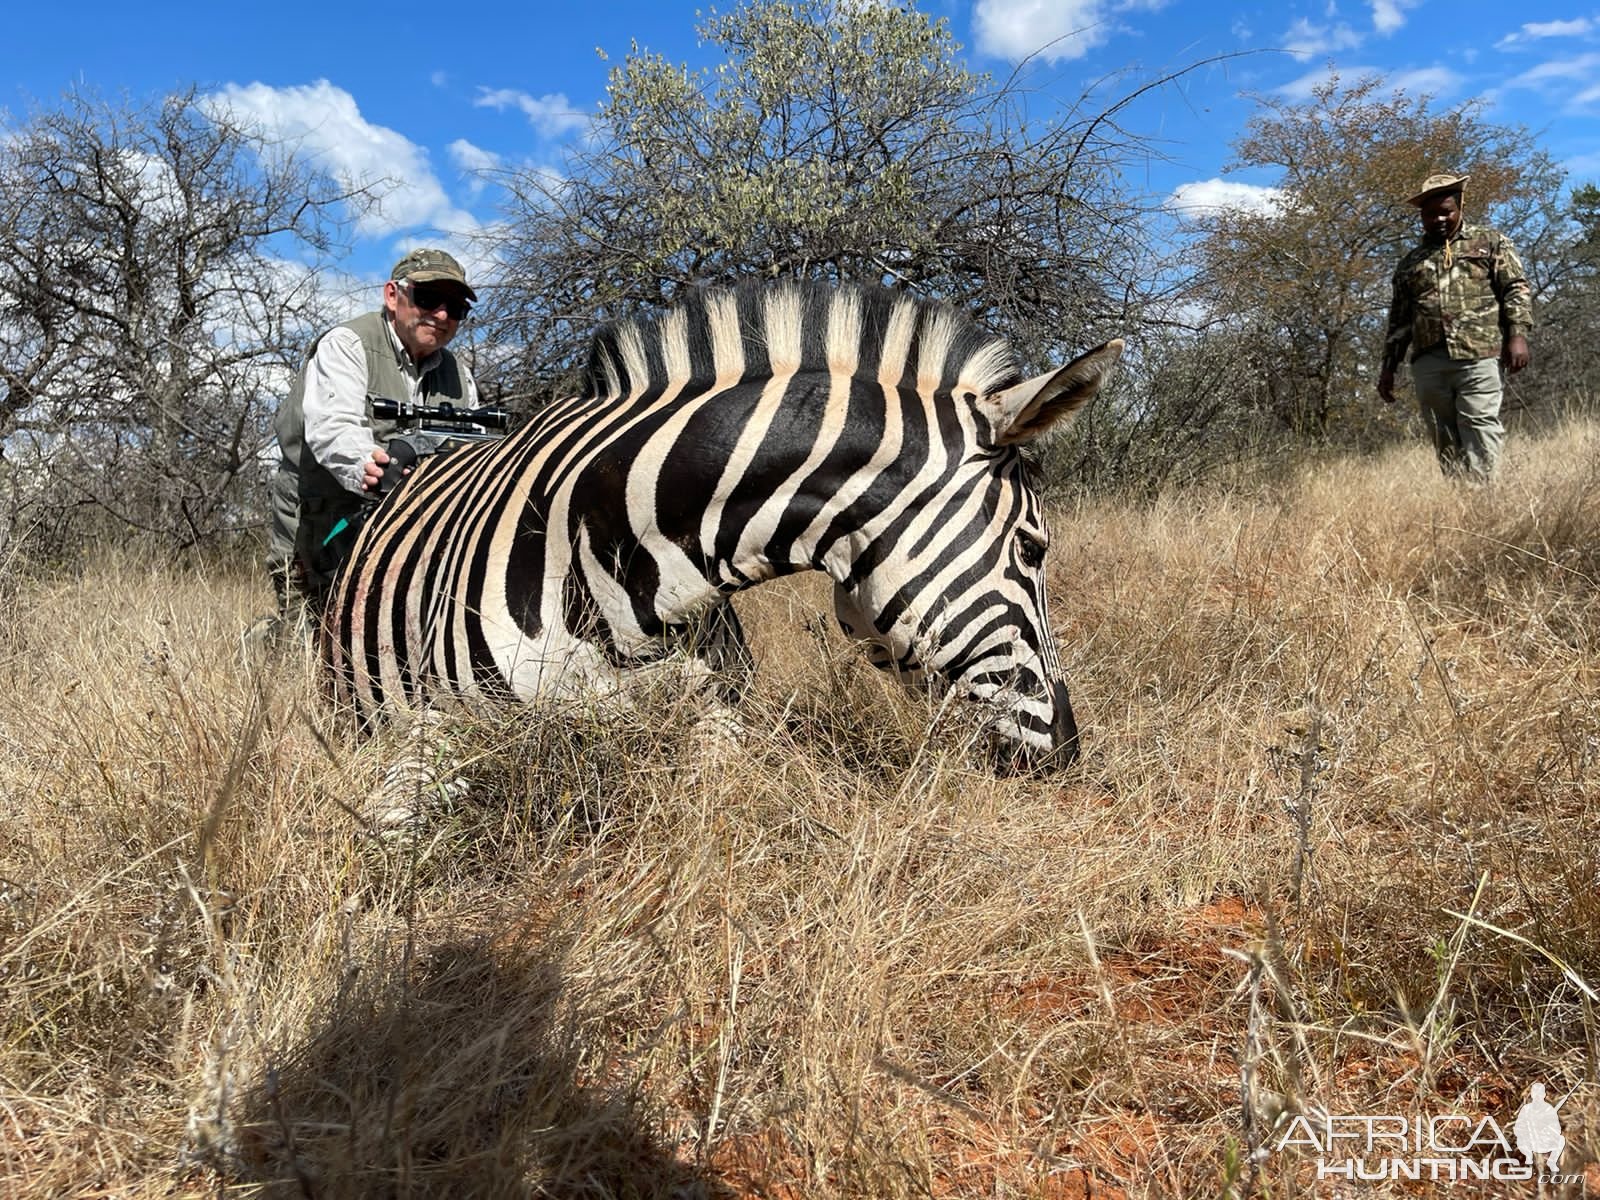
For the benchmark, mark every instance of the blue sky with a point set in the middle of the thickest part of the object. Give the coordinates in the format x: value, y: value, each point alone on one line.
x: 429, y: 94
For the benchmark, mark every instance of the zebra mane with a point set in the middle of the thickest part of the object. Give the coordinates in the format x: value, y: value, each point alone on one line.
x: 759, y: 329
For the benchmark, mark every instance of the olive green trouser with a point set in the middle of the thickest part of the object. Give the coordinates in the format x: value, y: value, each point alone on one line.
x: 1460, y: 403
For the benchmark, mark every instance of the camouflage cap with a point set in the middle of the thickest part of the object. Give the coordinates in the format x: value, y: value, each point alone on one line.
x: 1434, y: 184
x: 431, y: 266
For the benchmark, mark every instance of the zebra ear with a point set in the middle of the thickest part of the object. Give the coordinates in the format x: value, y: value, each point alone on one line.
x: 1023, y: 412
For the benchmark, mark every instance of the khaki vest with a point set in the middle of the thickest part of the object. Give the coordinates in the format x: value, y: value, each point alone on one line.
x: 307, y: 501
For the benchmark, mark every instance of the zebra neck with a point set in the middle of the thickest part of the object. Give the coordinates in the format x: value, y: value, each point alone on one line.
x: 743, y: 485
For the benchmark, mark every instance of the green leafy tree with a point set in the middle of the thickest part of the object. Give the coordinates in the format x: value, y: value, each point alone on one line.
x: 838, y: 141
x: 1307, y: 278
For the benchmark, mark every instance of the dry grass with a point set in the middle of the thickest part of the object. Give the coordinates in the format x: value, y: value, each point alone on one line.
x: 1337, y: 742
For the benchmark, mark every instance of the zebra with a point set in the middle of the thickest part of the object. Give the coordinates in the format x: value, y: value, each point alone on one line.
x: 742, y: 434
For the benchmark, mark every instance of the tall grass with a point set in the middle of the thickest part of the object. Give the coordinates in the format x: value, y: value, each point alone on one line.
x: 1332, y: 849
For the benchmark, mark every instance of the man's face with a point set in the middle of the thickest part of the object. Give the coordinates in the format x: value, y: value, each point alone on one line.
x: 1441, y: 215
x: 422, y: 314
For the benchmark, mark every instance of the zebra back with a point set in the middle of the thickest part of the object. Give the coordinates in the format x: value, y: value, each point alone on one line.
x: 762, y: 329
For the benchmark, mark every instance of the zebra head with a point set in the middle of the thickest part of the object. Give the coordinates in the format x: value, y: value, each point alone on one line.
x: 957, y: 601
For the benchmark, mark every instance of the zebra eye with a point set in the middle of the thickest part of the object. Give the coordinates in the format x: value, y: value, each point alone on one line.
x: 1031, y: 550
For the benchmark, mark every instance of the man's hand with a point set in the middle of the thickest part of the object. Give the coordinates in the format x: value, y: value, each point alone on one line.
x: 1386, y: 385
x: 1514, y: 354
x: 372, y: 470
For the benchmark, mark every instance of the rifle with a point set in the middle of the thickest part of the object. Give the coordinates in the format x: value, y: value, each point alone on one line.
x: 439, y: 427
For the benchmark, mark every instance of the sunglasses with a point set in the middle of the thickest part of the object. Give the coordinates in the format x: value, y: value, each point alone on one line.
x: 430, y: 298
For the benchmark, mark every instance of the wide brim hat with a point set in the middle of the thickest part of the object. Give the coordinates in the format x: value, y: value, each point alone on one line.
x: 1434, y: 184
x: 432, y: 266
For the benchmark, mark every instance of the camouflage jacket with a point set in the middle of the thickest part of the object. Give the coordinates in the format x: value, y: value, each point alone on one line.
x: 1467, y: 295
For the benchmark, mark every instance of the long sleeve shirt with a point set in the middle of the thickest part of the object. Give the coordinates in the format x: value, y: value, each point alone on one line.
x: 338, y: 429
x: 1467, y: 294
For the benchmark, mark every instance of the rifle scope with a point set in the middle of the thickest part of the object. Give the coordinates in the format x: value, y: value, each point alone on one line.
x: 441, y: 413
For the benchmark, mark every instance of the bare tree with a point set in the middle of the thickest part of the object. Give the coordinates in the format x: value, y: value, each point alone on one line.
x: 154, y: 297
x: 1566, y: 279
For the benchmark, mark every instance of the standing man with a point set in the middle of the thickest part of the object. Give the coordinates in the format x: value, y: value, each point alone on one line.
x: 1461, y: 302
x: 331, y: 444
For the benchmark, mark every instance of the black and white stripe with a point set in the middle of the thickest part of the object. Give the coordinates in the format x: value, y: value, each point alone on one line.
x: 743, y: 435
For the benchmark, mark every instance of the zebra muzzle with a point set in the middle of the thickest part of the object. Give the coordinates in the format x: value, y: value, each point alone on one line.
x: 1013, y: 758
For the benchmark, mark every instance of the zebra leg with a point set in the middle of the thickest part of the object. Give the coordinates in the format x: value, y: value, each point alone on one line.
x: 425, y: 775
x: 720, y: 643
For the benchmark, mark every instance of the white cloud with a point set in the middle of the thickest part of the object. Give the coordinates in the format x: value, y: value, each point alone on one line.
x: 1389, y: 15
x: 1305, y: 40
x: 1055, y: 30
x: 324, y: 123
x: 475, y: 163
x: 1537, y: 30
x: 1425, y: 81
x: 1429, y: 81
x: 1014, y: 29
x: 551, y: 116
x: 1206, y: 197
x: 1557, y: 70
x: 468, y: 157
x: 1544, y: 29
x: 1564, y: 83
